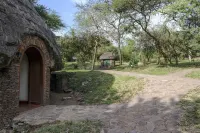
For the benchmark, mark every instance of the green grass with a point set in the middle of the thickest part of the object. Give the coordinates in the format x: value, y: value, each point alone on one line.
x: 101, y: 88
x: 194, y: 75
x: 151, y: 69
x: 191, y: 106
x: 154, y: 69
x: 73, y: 66
x: 71, y: 127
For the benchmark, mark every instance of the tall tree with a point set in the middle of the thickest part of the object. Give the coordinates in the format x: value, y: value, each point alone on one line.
x: 104, y: 20
x: 88, y: 20
x: 113, y: 23
x: 139, y: 13
x: 51, y: 18
x: 82, y: 46
x: 186, y: 14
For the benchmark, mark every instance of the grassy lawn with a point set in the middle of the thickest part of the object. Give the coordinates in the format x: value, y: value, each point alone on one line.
x: 191, y: 106
x: 154, y: 69
x: 71, y: 127
x: 194, y: 75
x: 73, y: 66
x: 151, y: 69
x: 101, y: 88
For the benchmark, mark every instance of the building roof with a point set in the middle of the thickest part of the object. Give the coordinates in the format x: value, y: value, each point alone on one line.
x: 107, y: 56
x: 18, y: 18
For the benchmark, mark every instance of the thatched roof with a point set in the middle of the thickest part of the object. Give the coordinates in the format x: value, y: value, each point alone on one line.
x: 19, y: 18
x: 107, y: 56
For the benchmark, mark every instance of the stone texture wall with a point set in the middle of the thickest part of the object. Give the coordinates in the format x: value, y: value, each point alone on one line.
x: 21, y: 27
x: 10, y: 81
x: 9, y: 95
x: 18, y: 18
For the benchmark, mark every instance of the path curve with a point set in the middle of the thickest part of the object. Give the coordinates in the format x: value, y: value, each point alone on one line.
x: 154, y: 110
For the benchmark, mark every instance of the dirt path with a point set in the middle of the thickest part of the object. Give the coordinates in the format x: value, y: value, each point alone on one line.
x: 154, y: 110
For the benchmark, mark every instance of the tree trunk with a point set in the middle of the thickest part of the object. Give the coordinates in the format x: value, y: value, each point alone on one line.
x: 158, y: 60
x: 158, y: 45
x: 170, y: 60
x: 148, y: 59
x: 189, y: 56
x: 120, y: 56
x: 176, y: 58
x: 94, y: 56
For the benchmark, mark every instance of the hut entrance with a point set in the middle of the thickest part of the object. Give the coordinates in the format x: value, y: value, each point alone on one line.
x: 31, y: 78
x: 107, y: 60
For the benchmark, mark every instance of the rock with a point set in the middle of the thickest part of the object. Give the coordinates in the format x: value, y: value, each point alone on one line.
x: 80, y: 100
x: 133, y: 131
x: 68, y: 91
x: 82, y: 103
x: 20, y: 124
x: 102, y: 131
x: 65, y: 98
x: 3, y: 131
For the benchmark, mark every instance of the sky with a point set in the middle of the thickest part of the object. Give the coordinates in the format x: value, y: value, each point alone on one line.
x: 65, y: 8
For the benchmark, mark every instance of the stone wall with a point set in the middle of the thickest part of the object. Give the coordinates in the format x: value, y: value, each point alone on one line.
x: 18, y: 18
x: 21, y: 27
x: 9, y: 95
x: 10, y: 81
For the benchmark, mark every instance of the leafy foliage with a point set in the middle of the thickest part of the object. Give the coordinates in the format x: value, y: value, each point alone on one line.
x: 71, y: 127
x: 101, y: 88
x: 81, y: 46
x: 51, y: 18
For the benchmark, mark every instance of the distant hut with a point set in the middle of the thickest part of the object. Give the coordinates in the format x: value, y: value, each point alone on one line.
x: 107, y: 60
x: 74, y: 58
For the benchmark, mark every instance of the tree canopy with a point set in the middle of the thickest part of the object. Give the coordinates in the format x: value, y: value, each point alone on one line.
x: 51, y: 18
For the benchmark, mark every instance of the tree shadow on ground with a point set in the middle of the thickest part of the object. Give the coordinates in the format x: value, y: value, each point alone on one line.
x: 190, y: 104
x: 90, y: 87
x: 186, y: 65
x: 95, y: 87
x: 143, y: 116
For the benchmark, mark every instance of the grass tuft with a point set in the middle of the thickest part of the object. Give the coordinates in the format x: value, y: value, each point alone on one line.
x: 151, y: 69
x: 194, y: 75
x: 71, y: 127
x: 191, y: 106
x: 102, y: 88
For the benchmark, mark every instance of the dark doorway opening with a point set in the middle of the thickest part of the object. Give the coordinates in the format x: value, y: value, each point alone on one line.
x: 31, y: 79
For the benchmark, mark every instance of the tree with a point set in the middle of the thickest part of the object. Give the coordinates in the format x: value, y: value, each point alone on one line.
x: 88, y: 20
x: 51, y: 18
x: 113, y: 23
x: 128, y: 49
x: 82, y: 46
x: 138, y: 13
x: 146, y: 45
x: 102, y: 19
x: 185, y: 13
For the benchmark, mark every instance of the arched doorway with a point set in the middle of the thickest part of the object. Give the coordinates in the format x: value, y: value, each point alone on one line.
x: 31, y: 77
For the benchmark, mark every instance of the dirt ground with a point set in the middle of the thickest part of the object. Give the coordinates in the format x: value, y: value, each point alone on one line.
x: 154, y: 110
x: 64, y: 99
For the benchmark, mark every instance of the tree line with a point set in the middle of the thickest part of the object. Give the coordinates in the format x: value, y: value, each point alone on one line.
x: 126, y: 28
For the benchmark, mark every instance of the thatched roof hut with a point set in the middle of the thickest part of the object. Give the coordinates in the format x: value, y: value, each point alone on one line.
x: 28, y: 53
x: 107, y: 56
x: 107, y: 60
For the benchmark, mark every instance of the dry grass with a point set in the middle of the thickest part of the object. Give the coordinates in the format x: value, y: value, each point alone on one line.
x: 191, y: 107
x: 71, y: 127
